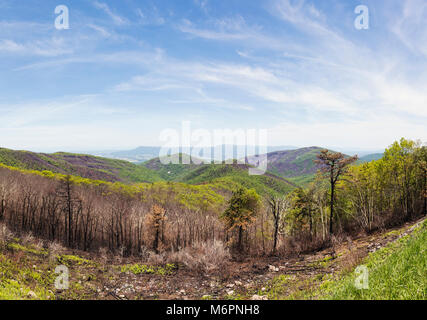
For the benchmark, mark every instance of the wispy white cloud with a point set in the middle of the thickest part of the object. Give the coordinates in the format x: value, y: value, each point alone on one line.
x: 117, y: 19
x: 202, y: 4
x: 410, y: 28
x: 153, y: 17
x: 101, y: 30
x: 49, y: 48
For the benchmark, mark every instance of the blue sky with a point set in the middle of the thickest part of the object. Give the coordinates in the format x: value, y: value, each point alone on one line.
x: 126, y: 70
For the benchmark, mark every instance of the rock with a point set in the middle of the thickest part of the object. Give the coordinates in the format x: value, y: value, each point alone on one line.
x: 273, y: 268
x: 31, y: 295
x: 257, y: 297
x: 238, y: 283
x: 122, y: 296
x: 230, y: 285
x: 230, y: 292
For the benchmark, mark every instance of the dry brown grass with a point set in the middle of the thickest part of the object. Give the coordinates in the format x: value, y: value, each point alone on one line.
x: 353, y: 259
x: 203, y: 257
x: 5, y: 234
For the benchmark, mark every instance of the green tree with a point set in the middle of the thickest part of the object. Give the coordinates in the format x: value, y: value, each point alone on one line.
x: 400, y: 159
x: 334, y: 164
x: 241, y: 211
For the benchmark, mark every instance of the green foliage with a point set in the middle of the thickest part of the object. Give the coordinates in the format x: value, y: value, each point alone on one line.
x: 242, y: 208
x: 234, y: 176
x: 18, y: 247
x: 397, y: 272
x: 145, y: 269
x: 22, y: 282
x: 70, y: 260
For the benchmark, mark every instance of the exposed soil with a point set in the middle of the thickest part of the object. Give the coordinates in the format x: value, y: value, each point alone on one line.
x: 247, y: 279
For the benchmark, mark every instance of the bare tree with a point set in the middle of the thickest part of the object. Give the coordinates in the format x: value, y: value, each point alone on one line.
x: 278, y: 207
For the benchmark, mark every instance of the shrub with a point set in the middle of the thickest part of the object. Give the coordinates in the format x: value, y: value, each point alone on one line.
x: 203, y: 257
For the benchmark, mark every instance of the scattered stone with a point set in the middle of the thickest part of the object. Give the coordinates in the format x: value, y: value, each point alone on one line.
x: 257, y: 297
x: 31, y: 295
x: 230, y: 292
x: 273, y: 268
x: 238, y: 283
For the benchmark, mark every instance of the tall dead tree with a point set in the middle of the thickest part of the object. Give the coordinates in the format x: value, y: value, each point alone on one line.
x: 278, y: 207
x: 69, y: 205
x: 334, y: 164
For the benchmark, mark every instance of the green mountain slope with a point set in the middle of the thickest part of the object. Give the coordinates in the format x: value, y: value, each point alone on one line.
x: 297, y: 166
x: 370, y: 157
x: 85, y: 166
x: 172, y: 171
x: 228, y: 175
x: 231, y: 175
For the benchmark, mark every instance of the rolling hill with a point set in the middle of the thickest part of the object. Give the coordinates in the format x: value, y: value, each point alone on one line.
x: 85, y: 166
x: 370, y: 157
x: 172, y: 171
x: 113, y: 170
x: 231, y: 175
x: 228, y: 175
x: 297, y: 165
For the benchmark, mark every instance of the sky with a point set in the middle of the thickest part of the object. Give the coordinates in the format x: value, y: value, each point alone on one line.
x: 127, y: 70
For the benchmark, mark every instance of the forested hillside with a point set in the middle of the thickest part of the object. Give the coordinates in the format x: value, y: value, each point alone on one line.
x: 85, y: 166
x: 267, y: 213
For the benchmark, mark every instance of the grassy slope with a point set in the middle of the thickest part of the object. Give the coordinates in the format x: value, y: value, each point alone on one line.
x: 86, y: 166
x: 398, y: 271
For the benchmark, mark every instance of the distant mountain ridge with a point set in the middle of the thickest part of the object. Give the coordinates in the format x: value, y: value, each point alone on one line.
x: 219, y: 152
